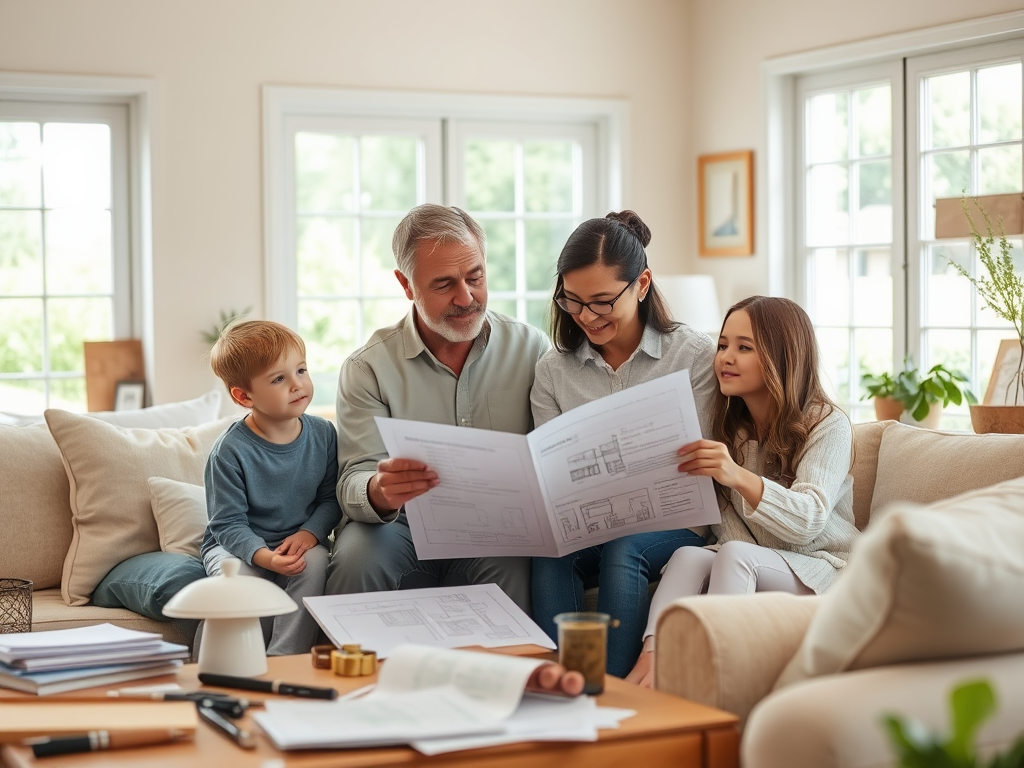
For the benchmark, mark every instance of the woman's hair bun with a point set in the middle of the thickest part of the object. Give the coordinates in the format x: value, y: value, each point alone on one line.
x: 631, y: 221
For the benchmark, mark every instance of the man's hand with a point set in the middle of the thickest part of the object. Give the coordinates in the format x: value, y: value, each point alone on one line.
x: 398, y: 481
x: 553, y: 678
x: 296, y: 544
x: 286, y: 565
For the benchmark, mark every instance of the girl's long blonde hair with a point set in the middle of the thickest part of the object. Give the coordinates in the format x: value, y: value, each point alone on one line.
x: 788, y: 353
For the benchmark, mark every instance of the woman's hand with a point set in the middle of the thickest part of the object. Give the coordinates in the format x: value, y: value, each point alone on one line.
x: 708, y: 458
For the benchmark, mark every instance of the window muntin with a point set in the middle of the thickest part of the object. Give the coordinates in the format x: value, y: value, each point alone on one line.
x: 968, y: 137
x: 64, y: 262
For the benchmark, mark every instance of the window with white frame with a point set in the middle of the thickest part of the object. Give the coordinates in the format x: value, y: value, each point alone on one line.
x: 65, y: 270
x: 876, y: 282
x: 339, y: 180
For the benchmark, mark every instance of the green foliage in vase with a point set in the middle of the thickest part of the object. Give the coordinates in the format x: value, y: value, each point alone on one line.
x: 971, y: 704
x: 1002, y: 289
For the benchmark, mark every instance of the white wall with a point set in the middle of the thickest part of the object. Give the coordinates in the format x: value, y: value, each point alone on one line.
x: 729, y: 40
x: 210, y: 58
x: 689, y: 68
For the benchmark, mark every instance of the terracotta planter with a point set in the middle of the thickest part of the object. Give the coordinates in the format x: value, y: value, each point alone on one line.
x: 1002, y: 419
x: 886, y: 408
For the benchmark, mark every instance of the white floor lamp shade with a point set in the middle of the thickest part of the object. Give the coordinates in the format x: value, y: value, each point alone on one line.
x: 693, y: 300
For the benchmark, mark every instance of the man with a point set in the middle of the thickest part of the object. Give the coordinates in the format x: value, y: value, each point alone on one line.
x: 449, y: 361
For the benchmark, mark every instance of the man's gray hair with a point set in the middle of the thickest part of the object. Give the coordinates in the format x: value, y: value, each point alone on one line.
x: 437, y: 224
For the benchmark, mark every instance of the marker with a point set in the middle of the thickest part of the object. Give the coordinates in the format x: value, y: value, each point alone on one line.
x: 269, y: 686
x: 240, y: 736
x: 97, y: 740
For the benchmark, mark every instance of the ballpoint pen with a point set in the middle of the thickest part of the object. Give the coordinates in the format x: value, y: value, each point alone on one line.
x: 231, y: 706
x: 270, y: 686
x: 237, y: 734
x: 96, y: 740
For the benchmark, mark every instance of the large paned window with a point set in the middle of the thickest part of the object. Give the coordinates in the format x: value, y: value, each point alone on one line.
x: 339, y: 183
x: 877, y: 145
x: 64, y: 247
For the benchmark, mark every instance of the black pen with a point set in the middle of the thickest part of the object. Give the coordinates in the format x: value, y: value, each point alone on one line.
x: 270, y: 686
x: 240, y: 736
x: 95, y: 740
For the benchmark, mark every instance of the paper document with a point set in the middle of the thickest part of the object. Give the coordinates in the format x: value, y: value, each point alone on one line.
x: 598, y: 472
x: 421, y: 693
x: 442, y: 617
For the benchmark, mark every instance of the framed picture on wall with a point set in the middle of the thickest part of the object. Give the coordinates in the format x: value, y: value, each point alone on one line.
x: 1004, y: 384
x: 129, y: 395
x: 725, y: 198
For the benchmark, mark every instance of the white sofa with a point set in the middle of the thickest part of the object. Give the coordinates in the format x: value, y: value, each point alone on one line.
x: 76, y: 516
x: 933, y: 595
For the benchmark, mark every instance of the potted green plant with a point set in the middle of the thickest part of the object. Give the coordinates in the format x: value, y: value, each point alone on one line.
x: 971, y: 703
x: 925, y: 395
x: 921, y: 396
x: 882, y: 388
x: 1002, y: 291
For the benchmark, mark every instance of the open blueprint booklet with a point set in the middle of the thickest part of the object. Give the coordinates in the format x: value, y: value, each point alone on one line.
x: 438, y: 700
x: 598, y: 472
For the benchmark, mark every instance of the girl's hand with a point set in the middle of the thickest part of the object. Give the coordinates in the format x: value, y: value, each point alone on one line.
x: 708, y: 458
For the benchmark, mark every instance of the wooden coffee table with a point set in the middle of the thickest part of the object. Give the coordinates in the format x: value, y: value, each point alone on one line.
x: 665, y: 731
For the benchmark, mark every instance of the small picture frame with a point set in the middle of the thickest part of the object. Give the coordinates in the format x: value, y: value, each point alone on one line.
x: 129, y: 395
x: 1003, y: 385
x: 725, y: 197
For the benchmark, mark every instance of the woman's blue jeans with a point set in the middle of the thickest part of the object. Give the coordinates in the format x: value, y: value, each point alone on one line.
x: 625, y: 568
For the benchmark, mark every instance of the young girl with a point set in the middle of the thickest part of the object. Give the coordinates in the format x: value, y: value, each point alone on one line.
x: 781, y: 461
x: 612, y: 330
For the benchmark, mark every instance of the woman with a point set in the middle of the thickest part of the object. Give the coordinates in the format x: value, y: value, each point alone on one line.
x: 780, y: 456
x: 612, y: 330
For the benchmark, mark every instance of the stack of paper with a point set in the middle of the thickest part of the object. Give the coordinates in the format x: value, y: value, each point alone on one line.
x: 67, y: 659
x: 439, y: 700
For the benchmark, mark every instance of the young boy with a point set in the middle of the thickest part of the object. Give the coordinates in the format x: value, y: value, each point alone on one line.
x: 271, y: 477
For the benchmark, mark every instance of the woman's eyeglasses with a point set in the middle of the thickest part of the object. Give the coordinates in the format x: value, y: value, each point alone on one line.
x: 574, y: 307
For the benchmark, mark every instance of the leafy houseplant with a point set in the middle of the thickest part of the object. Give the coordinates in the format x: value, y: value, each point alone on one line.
x: 883, y: 388
x: 940, y: 385
x: 971, y: 704
x: 916, y: 392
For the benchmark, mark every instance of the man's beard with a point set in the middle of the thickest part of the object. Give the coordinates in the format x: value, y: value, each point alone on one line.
x: 451, y: 333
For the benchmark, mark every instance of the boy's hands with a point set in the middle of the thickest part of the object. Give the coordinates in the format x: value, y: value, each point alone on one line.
x: 289, y: 557
x: 297, y: 543
x: 286, y: 565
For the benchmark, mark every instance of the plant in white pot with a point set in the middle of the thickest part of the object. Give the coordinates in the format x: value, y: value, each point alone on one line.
x: 915, y: 397
x: 1002, y: 291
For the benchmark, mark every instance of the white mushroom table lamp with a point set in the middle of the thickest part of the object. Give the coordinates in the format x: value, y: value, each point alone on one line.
x: 232, y: 605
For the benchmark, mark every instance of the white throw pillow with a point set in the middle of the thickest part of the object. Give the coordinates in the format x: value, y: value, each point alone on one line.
x: 179, y: 510
x: 187, y: 413
x: 924, y: 583
x: 108, y: 469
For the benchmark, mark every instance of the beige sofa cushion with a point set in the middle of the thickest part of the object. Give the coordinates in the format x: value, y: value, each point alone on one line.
x: 35, y: 514
x: 867, y: 440
x: 924, y: 583
x: 180, y: 513
x: 49, y: 611
x: 108, y: 469
x: 923, y: 466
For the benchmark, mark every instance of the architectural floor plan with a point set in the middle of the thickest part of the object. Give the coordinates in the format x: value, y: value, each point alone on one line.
x: 443, y: 617
x: 603, y: 470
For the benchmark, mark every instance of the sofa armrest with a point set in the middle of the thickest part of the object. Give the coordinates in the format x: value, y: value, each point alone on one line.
x: 726, y: 651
